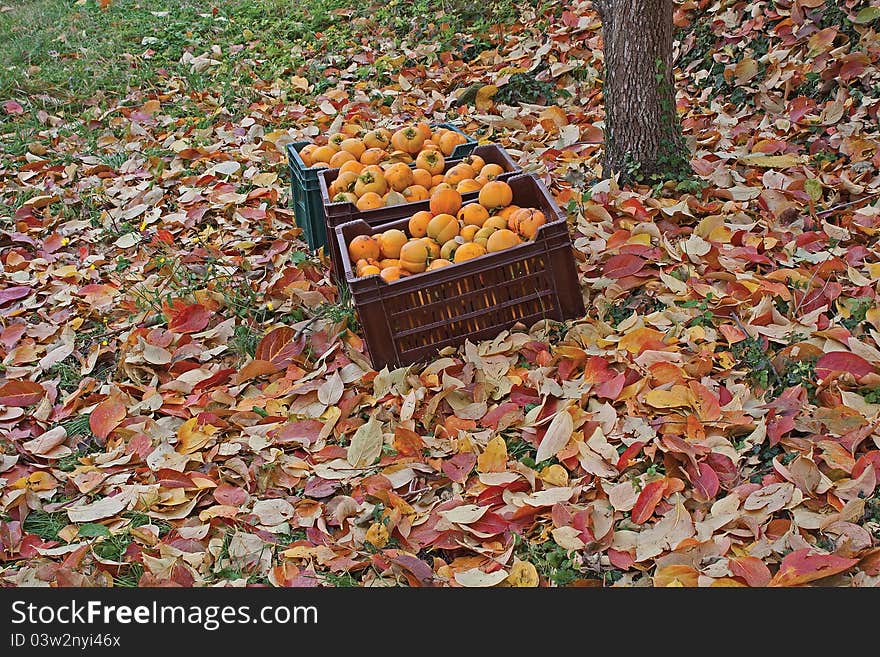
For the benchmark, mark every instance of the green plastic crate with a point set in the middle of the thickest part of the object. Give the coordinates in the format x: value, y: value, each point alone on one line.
x: 305, y: 193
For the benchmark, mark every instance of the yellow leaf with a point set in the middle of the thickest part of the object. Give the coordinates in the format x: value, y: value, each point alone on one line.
x: 483, y: 100
x: 299, y: 552
x: 772, y: 161
x: 523, y: 574
x: 494, y: 457
x: 300, y: 83
x: 642, y: 238
x: 746, y: 70
x: 191, y: 439
x: 377, y: 535
x: 36, y: 481
x: 726, y: 582
x: 264, y: 179
x: 555, y: 475
x: 677, y: 396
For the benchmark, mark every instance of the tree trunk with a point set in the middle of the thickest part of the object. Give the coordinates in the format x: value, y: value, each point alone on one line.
x: 642, y: 132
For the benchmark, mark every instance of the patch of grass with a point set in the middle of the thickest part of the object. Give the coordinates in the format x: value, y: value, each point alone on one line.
x: 114, y: 547
x: 765, y: 454
x: 704, y: 316
x: 751, y: 355
x: 526, y: 88
x: 798, y: 372
x: 523, y: 451
x: 872, y: 514
x: 871, y: 395
x: 129, y: 577
x: 46, y: 525
x: 551, y: 560
x: 857, y: 309
x: 340, y: 580
x: 67, y: 372
x: 755, y: 357
x: 634, y: 302
x: 244, y: 341
x: 341, y: 312
x: 139, y: 519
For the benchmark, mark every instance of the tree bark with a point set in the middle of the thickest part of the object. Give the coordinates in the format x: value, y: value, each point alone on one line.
x: 642, y: 131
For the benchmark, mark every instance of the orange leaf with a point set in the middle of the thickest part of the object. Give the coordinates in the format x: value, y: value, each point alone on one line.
x: 751, y: 569
x: 406, y: 442
x: 278, y: 347
x: 254, y: 369
x: 21, y: 393
x: 642, y: 339
x: 800, y: 567
x: 36, y: 481
x: 704, y: 402
x: 678, y: 575
x: 106, y: 417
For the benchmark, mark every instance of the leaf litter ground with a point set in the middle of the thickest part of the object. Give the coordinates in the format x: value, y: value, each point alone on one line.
x: 185, y: 398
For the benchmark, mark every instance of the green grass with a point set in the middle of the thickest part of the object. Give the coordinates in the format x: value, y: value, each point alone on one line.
x: 64, y: 55
x: 65, y: 51
x: 46, y: 525
x: 552, y: 561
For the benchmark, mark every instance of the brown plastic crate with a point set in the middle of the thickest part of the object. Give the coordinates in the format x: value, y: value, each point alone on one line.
x: 336, y: 214
x: 409, y: 320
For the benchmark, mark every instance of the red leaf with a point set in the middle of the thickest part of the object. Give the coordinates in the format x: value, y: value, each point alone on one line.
x: 800, y: 567
x: 871, y: 459
x: 459, y: 466
x: 493, y: 417
x: 305, y: 432
x: 522, y: 395
x: 21, y: 393
x: 106, y: 417
x: 231, y: 495
x: 621, y: 560
x: 491, y: 524
x: 612, y: 388
x: 843, y: 361
x: 648, y: 500
x: 628, y: 454
x: 169, y: 478
x: 220, y: 376
x: 13, y: 293
x: 623, y: 265
x: 13, y: 107
x: 422, y: 571
x: 778, y: 427
x: 278, y: 347
x: 190, y: 319
x: 705, y: 482
x: 751, y: 569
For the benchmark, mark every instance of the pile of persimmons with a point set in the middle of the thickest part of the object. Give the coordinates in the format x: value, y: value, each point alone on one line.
x: 448, y: 232
x: 374, y: 166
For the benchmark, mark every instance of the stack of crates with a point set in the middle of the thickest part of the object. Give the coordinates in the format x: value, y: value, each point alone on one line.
x: 409, y: 320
